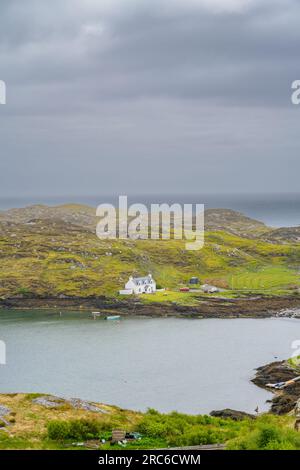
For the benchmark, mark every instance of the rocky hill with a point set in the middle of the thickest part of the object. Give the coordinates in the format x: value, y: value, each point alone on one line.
x: 75, y: 214
x: 54, y: 251
x: 85, y: 216
x: 234, y: 222
x: 284, y: 234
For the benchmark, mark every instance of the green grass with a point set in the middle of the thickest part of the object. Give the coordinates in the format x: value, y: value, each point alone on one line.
x: 268, y: 433
x: 182, y: 298
x: 267, y: 278
x: 77, y: 263
x: 294, y: 362
x: 33, y: 426
x: 264, y: 432
x: 177, y: 429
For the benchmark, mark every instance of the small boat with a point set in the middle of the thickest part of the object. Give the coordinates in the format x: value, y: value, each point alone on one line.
x: 96, y: 314
x: 113, y: 317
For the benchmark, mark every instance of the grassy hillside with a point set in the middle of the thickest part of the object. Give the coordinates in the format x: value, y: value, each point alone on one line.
x: 62, y: 256
x: 28, y: 424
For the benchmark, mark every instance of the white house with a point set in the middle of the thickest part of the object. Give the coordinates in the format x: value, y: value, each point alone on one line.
x: 139, y: 285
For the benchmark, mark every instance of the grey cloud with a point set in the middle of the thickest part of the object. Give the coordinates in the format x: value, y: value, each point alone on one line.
x: 97, y: 90
x: 237, y: 58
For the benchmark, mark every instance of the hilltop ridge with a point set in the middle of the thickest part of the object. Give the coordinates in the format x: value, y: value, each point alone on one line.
x: 85, y: 216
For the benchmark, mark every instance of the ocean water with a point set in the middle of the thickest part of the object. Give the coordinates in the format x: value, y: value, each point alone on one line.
x: 275, y: 210
x: 192, y: 366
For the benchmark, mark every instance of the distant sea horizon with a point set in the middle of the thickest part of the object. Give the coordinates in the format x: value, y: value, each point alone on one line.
x: 275, y: 210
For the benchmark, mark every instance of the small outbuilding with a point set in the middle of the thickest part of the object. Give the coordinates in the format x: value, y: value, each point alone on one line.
x: 209, y: 289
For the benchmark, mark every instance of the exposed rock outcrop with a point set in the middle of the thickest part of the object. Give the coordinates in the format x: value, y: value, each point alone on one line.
x: 50, y: 401
x: 285, y: 400
x: 231, y: 414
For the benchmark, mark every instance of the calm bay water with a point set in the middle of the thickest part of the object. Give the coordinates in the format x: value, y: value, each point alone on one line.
x: 187, y: 365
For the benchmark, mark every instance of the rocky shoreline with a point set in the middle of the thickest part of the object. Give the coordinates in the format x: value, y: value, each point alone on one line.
x: 287, y: 399
x: 284, y: 401
x: 212, y: 307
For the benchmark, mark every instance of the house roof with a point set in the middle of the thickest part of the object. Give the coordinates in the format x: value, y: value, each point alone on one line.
x: 141, y: 280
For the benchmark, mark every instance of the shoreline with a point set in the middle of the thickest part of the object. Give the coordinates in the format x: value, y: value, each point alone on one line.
x: 287, y: 399
x: 284, y: 401
x: 213, y: 307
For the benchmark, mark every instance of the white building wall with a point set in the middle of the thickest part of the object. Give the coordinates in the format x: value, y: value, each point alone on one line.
x: 126, y: 292
x: 140, y: 288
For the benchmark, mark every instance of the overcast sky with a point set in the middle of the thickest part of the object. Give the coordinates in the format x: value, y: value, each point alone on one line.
x: 149, y: 96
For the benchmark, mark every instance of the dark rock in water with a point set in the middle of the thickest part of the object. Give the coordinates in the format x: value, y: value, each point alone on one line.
x: 278, y: 371
x: 231, y: 414
x: 285, y: 400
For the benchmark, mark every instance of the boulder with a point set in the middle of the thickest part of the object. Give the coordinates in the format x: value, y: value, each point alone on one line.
x: 231, y: 414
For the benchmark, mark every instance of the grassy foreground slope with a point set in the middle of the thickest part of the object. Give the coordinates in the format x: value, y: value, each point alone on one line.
x: 27, y: 424
x: 54, y: 251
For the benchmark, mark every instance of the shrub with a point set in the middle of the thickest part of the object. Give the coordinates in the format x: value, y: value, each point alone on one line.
x: 196, y: 436
x: 24, y: 291
x: 84, y: 429
x: 266, y: 432
x: 77, y: 429
x: 267, y: 437
x: 180, y: 429
x: 58, y: 430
